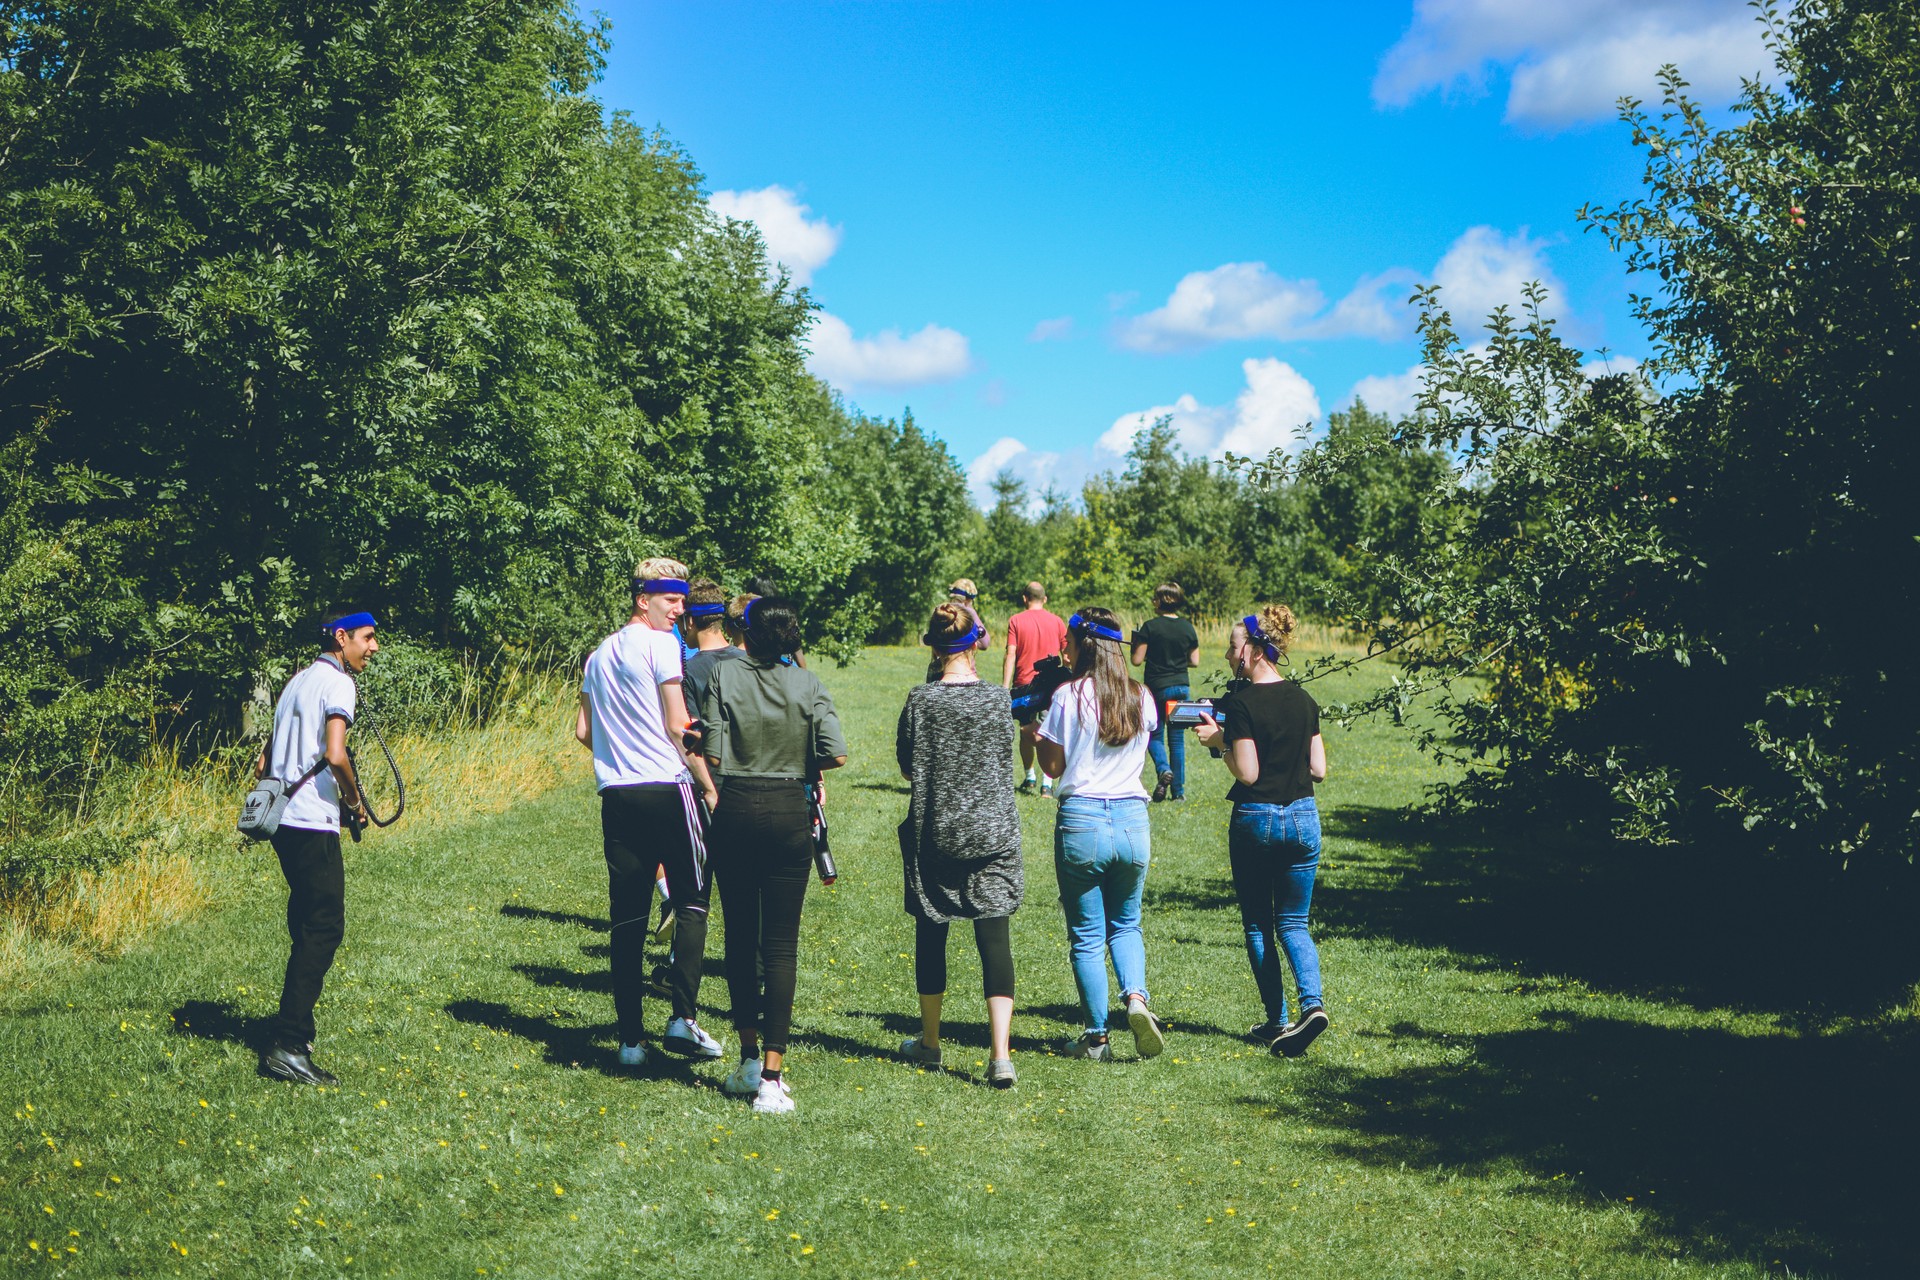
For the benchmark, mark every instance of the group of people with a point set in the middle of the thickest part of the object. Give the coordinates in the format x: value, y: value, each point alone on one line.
x: 710, y: 738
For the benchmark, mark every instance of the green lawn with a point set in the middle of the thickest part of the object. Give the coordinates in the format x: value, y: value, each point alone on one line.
x: 1544, y: 1062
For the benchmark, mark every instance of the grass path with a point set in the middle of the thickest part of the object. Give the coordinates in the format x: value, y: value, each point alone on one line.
x: 1504, y: 1092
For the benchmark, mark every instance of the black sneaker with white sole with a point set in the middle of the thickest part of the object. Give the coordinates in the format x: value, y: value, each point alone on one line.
x: 1293, y: 1042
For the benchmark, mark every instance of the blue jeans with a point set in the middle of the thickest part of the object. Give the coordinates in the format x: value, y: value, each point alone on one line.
x: 1275, y: 851
x: 1168, y: 746
x: 1100, y: 853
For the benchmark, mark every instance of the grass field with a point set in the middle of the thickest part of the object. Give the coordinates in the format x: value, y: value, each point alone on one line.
x: 1545, y: 1061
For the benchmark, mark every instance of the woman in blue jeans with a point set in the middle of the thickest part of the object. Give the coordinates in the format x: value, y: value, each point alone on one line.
x: 1271, y: 731
x: 1094, y: 740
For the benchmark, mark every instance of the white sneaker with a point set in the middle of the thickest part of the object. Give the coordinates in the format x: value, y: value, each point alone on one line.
x: 633, y: 1055
x: 745, y: 1079
x: 663, y: 932
x: 688, y: 1039
x: 773, y: 1099
x: 1148, y: 1038
x: 914, y: 1051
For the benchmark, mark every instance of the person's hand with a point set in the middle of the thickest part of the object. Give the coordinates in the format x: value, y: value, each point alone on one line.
x: 712, y: 797
x: 1209, y: 733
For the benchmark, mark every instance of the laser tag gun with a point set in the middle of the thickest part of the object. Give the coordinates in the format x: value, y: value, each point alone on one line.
x: 1031, y: 700
x: 822, y: 851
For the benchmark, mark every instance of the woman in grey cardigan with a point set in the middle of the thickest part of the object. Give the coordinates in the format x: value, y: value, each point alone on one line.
x: 960, y: 844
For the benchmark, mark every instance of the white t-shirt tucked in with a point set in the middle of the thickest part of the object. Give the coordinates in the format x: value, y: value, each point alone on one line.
x: 300, y: 740
x: 622, y: 686
x: 1094, y: 769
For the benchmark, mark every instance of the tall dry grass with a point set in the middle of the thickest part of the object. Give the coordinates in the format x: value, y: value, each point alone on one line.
x: 178, y: 854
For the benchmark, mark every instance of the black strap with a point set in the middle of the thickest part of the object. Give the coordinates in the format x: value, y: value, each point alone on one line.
x: 309, y: 775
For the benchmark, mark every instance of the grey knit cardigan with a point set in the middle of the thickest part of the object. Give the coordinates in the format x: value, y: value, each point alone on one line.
x: 960, y: 843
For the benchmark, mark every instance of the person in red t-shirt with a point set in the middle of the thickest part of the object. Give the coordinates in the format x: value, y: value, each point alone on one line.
x: 1032, y: 634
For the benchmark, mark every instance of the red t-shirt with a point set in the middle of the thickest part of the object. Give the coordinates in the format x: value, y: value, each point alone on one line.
x: 1034, y: 634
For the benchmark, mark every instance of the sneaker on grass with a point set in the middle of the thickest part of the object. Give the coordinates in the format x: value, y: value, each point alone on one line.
x: 913, y: 1051
x: 745, y: 1080
x: 1000, y: 1073
x: 1293, y: 1042
x: 1162, y: 785
x: 1148, y: 1038
x: 688, y: 1039
x: 1091, y: 1045
x: 633, y: 1055
x: 773, y: 1098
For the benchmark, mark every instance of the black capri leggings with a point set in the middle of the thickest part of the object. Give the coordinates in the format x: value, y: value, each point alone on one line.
x: 993, y: 936
x: 762, y: 844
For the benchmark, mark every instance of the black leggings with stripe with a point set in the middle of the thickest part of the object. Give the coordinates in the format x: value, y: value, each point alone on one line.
x: 644, y: 825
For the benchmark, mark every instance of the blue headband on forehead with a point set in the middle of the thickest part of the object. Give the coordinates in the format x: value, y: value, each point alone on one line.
x: 352, y: 622
x: 1259, y: 637
x: 962, y: 592
x: 1087, y: 627
x: 659, y: 586
x: 713, y: 610
x: 964, y: 643
x: 746, y: 614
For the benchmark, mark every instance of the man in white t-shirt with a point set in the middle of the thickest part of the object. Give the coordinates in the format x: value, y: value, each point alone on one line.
x: 309, y: 741
x: 633, y: 714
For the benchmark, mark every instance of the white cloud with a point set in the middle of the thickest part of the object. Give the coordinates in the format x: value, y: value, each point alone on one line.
x: 1038, y: 469
x: 799, y: 243
x: 1603, y: 366
x: 1272, y: 411
x: 1052, y: 330
x: 887, y: 359
x: 1485, y: 269
x: 1571, y: 59
x: 1237, y: 300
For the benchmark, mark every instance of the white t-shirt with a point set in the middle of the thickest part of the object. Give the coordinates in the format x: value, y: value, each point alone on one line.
x: 1094, y: 769
x: 300, y: 740
x: 622, y: 685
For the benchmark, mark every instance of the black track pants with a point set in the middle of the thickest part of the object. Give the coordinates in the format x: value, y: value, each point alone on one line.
x: 992, y: 936
x: 644, y: 825
x: 316, y: 921
x: 763, y: 856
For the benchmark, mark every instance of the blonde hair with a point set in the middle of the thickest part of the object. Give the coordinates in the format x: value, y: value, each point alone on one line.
x: 658, y: 567
x: 1277, y: 621
x: 948, y: 624
x: 965, y: 587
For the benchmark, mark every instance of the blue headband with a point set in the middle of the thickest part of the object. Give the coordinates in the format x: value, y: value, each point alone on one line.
x: 963, y: 644
x: 1254, y: 633
x: 746, y: 614
x: 352, y: 622
x: 713, y: 610
x: 1083, y: 625
x: 962, y: 593
x: 659, y: 586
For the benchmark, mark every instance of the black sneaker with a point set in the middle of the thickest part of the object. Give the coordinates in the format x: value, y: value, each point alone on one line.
x: 1265, y: 1033
x: 1162, y: 787
x: 294, y: 1065
x: 1293, y: 1042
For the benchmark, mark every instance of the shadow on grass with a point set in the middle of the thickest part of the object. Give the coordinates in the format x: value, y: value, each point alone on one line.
x: 514, y: 909
x: 965, y: 1033
x: 897, y: 788
x: 1795, y: 1148
x: 211, y: 1020
x: 1701, y: 928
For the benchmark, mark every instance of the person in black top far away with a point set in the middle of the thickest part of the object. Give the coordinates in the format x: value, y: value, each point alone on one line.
x: 1274, y: 751
x: 1169, y: 647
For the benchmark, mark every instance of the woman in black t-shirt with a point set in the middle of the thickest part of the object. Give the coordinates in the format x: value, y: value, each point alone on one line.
x: 1167, y: 645
x: 1271, y: 731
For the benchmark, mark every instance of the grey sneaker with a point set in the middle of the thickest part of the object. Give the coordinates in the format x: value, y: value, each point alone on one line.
x: 689, y: 1039
x: 1000, y: 1073
x: 1148, y: 1038
x: 1091, y: 1045
x: 913, y: 1051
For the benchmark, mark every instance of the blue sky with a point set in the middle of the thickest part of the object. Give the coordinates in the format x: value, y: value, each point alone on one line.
x: 1035, y: 223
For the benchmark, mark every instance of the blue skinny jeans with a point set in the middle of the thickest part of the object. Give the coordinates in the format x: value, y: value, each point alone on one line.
x: 1275, y: 851
x: 1100, y: 854
x: 1168, y: 746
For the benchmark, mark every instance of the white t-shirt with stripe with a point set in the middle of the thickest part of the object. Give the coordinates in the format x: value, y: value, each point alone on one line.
x: 622, y: 686
x: 300, y: 740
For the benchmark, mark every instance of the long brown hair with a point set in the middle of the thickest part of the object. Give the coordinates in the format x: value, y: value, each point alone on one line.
x: 1115, y: 692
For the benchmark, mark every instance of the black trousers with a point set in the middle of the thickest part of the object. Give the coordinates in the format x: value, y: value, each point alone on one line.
x: 992, y: 936
x: 316, y: 921
x: 641, y: 826
x: 763, y: 856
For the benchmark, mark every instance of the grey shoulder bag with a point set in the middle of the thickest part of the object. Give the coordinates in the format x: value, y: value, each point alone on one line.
x: 260, y: 812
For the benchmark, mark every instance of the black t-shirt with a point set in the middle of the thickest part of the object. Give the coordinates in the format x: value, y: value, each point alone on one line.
x: 1282, y: 719
x: 699, y: 676
x: 1170, y: 642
